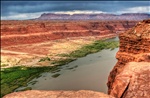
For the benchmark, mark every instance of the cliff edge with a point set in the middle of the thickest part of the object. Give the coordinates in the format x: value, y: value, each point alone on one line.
x: 128, y: 79
x: 130, y: 76
x: 58, y: 94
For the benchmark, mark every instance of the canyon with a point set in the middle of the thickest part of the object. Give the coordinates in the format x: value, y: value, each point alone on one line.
x: 130, y: 76
x: 28, y: 41
x: 26, y: 32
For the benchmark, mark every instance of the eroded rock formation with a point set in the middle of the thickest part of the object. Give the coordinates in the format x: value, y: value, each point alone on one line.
x: 25, y: 42
x: 128, y: 79
x: 130, y: 76
x: 133, y: 81
x: 57, y: 94
x: 27, y: 32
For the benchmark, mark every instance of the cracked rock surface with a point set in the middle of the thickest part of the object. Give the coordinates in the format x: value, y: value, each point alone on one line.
x: 133, y: 81
x: 57, y: 94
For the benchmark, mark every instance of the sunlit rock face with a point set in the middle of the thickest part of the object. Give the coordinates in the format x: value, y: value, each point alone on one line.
x: 133, y: 81
x: 25, y: 41
x: 130, y: 76
x: 57, y: 94
x: 30, y: 31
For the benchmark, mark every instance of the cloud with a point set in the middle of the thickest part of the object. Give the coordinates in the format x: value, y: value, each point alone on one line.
x: 26, y: 9
x: 140, y: 9
x: 79, y: 12
x: 39, y: 6
x: 22, y: 16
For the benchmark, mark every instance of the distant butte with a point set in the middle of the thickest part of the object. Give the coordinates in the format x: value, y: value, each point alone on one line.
x: 101, y: 16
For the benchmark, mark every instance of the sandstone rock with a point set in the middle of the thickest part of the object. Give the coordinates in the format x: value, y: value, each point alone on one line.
x: 57, y: 94
x: 133, y: 81
x: 134, y: 47
x: 28, y: 32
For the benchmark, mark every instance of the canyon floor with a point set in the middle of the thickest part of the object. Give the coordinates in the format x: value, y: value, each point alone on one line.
x: 25, y: 43
x: 31, y: 54
x: 35, y: 44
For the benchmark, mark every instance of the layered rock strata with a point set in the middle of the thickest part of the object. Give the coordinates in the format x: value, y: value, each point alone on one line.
x: 128, y: 79
x: 28, y: 32
x: 130, y: 76
x: 25, y: 42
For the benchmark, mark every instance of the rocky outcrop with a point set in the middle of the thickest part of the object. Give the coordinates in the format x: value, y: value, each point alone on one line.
x: 57, y: 94
x: 27, y: 32
x: 102, y: 16
x: 132, y: 79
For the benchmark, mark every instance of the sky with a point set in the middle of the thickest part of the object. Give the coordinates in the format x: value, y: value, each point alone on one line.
x: 20, y: 10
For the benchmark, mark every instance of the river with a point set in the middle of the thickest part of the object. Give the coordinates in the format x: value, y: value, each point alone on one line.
x: 86, y: 73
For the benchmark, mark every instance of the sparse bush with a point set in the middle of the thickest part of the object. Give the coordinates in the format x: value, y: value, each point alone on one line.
x: 44, y: 59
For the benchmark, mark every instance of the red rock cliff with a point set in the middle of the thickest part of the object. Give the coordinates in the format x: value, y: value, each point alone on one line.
x: 130, y: 76
x: 26, y: 32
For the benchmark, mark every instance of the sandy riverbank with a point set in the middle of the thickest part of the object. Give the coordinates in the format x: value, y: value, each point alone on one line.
x: 30, y: 54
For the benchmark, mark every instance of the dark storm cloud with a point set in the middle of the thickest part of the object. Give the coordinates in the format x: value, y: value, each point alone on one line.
x: 38, y: 6
x: 18, y: 7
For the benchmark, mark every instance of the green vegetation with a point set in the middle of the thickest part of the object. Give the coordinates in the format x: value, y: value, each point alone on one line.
x: 4, y: 65
x: 12, y: 78
x: 44, y: 59
x: 63, y: 61
x: 85, y: 50
x: 95, y: 47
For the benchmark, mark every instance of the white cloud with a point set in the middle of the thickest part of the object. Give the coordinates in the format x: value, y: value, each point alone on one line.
x: 20, y: 16
x: 79, y: 12
x: 141, y: 9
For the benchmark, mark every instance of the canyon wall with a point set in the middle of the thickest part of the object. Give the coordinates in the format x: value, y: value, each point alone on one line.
x: 26, y: 42
x: 130, y: 76
x: 26, y: 32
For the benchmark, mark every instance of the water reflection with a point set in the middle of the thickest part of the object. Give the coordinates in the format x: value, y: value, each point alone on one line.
x: 89, y: 73
x: 86, y: 73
